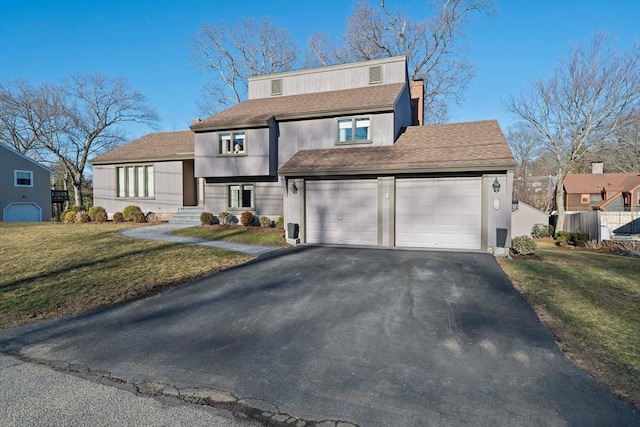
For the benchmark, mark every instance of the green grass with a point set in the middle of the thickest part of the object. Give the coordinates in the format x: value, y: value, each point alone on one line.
x: 591, y: 303
x: 51, y: 270
x: 237, y: 234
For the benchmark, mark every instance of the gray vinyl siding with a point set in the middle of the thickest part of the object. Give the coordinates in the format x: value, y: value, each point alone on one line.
x: 635, y: 202
x: 267, y: 199
x: 496, y: 218
x: 615, y: 205
x: 209, y: 162
x: 523, y: 220
x: 168, y: 183
x: 339, y: 77
x: 39, y: 194
x: 402, y: 117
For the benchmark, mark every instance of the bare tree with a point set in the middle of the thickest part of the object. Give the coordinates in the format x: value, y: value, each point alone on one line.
x: 433, y: 47
x: 591, y: 96
x: 235, y: 51
x: 75, y: 120
x: 621, y: 152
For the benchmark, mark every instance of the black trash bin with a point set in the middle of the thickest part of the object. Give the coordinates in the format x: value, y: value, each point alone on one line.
x: 292, y: 230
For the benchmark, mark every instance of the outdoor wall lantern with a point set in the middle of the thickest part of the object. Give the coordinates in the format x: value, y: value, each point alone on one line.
x: 294, y: 188
x: 496, y: 186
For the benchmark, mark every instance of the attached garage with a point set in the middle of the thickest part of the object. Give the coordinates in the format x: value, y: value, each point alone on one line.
x: 22, y: 212
x: 441, y: 213
x: 342, y: 212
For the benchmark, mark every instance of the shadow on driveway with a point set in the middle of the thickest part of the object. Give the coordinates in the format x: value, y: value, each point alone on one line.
x: 367, y: 336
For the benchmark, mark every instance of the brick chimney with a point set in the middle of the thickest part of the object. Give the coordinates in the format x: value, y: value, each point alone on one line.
x: 417, y: 102
x: 597, y: 168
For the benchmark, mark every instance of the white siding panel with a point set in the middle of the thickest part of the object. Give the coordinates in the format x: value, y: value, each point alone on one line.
x: 439, y: 213
x: 342, y: 212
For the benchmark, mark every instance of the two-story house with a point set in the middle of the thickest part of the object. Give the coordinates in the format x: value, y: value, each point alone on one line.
x: 333, y: 149
x: 612, y: 192
x: 25, y: 188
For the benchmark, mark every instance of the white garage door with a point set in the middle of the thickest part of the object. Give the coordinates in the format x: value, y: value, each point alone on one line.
x: 22, y: 212
x: 439, y: 213
x: 342, y: 212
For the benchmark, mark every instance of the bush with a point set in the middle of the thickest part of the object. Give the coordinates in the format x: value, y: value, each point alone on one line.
x: 93, y: 211
x: 153, y: 217
x: 82, y: 217
x: 563, y: 238
x: 207, y: 218
x: 69, y: 215
x: 225, y: 218
x: 266, y: 221
x: 128, y: 212
x: 541, y: 230
x: 100, y: 216
x: 280, y: 222
x: 579, y: 239
x: 571, y: 238
x: 246, y: 218
x: 118, y: 217
x: 523, y: 245
x: 138, y: 217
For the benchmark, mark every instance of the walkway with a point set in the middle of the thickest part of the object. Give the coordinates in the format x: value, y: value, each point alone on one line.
x: 162, y: 232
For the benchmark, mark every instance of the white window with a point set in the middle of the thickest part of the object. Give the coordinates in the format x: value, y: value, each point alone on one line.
x: 232, y: 143
x: 135, y: 181
x: 241, y: 196
x: 354, y: 129
x: 22, y: 178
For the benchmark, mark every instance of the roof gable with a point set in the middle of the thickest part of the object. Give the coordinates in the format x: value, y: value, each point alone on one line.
x: 16, y: 153
x: 256, y: 112
x: 152, y: 147
x: 451, y: 147
x: 587, y: 183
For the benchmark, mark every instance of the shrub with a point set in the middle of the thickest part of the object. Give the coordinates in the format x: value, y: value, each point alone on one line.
x: 128, y: 212
x: 138, y: 217
x: 100, y: 216
x: 69, y: 215
x: 225, y: 218
x: 266, y: 221
x: 207, y: 218
x: 541, y: 230
x: 246, y: 218
x: 82, y: 217
x: 153, y: 217
x: 523, y: 245
x: 93, y: 211
x: 280, y: 222
x: 579, y: 239
x: 118, y: 217
x: 563, y: 238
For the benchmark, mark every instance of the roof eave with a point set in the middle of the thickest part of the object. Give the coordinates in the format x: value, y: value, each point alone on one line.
x: 141, y: 160
x: 395, y: 171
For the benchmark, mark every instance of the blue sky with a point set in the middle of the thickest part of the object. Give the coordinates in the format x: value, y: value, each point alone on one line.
x: 148, y: 42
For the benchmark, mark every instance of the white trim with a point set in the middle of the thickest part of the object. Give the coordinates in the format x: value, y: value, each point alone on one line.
x: 15, y: 178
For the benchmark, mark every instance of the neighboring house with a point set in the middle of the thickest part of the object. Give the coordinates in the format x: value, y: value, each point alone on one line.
x: 333, y: 149
x: 155, y: 172
x: 25, y: 188
x: 611, y: 192
x: 524, y: 217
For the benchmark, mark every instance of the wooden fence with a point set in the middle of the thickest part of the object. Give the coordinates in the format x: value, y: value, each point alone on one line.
x: 618, y: 223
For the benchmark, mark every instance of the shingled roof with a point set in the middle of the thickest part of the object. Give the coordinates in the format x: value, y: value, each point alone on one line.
x: 256, y: 112
x: 152, y: 147
x: 439, y: 148
x: 592, y: 183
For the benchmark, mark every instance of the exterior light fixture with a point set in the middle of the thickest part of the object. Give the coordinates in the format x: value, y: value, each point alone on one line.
x: 294, y: 188
x: 496, y: 186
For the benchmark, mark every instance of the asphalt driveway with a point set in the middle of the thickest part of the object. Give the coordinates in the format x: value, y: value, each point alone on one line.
x: 362, y: 336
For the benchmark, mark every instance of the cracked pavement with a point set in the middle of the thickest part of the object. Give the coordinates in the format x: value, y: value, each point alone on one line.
x: 336, y: 337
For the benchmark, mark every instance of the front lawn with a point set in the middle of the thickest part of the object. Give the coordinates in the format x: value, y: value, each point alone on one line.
x: 591, y: 303
x: 52, y: 270
x: 237, y: 234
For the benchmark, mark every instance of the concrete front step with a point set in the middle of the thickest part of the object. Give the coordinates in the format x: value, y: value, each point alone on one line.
x: 189, y: 215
